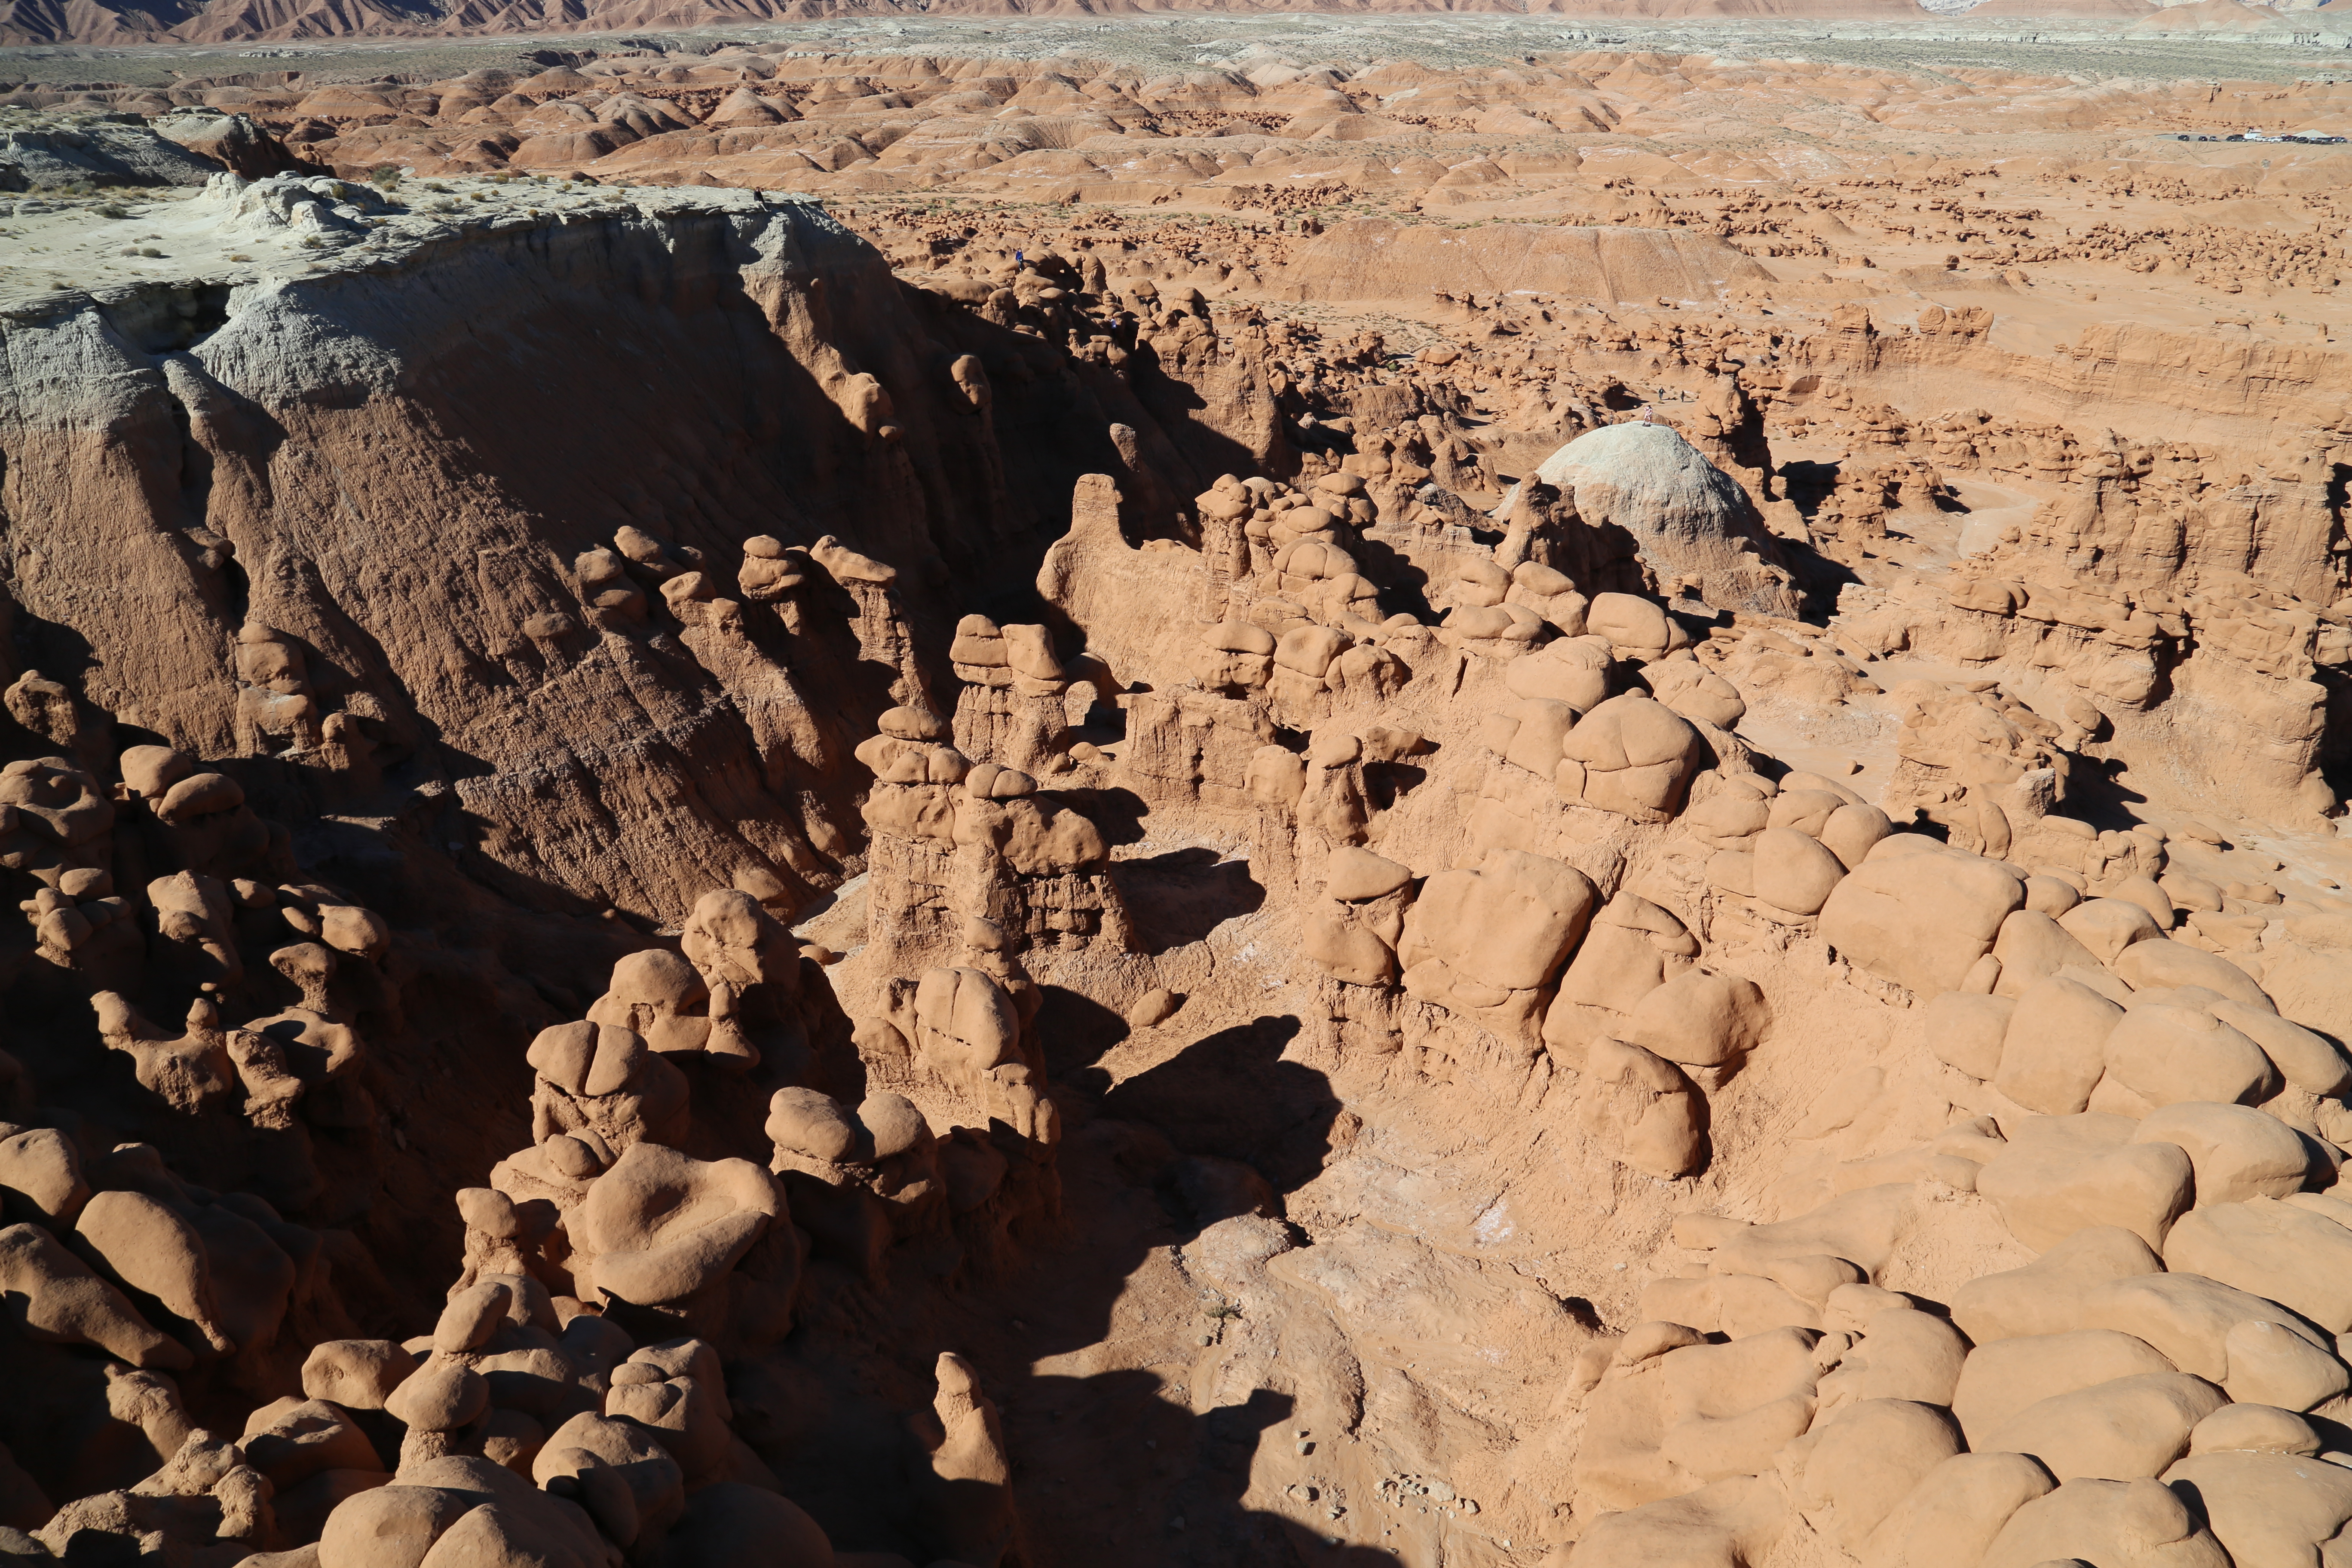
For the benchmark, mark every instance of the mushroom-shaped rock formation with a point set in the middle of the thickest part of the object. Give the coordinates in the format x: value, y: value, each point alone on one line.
x: 1919, y: 913
x: 1633, y: 948
x: 53, y: 818
x: 658, y: 995
x: 1632, y: 755
x: 463, y: 1509
x: 859, y: 1177
x: 192, y: 1071
x: 194, y: 918
x: 731, y: 940
x: 1354, y: 931
x: 605, y: 1079
x: 660, y: 1228
x: 1489, y: 941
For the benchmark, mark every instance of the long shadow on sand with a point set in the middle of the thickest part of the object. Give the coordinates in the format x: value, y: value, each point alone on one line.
x: 1110, y: 1462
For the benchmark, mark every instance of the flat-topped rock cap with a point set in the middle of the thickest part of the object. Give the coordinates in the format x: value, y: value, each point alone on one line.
x: 1359, y: 874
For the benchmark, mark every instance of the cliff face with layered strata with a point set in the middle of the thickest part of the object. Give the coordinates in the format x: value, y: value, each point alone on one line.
x: 410, y: 468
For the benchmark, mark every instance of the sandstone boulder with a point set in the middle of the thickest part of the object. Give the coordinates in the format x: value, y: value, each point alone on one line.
x: 1631, y: 947
x: 2159, y: 963
x: 1574, y: 670
x: 2168, y: 1053
x: 1631, y: 755
x: 2289, y: 1255
x: 1645, y: 1110
x: 1960, y: 1506
x: 1969, y: 1031
x: 1695, y: 691
x: 1794, y: 871
x: 53, y: 1297
x: 2033, y: 946
x: 2054, y: 1050
x: 1919, y: 913
x: 2133, y: 1524
x: 2120, y: 1430
x: 2064, y: 1173
x: 1492, y: 939
x: 2239, y: 1152
x: 1701, y: 1018
x: 2005, y: 1377
x: 1353, y: 932
x: 2267, y: 1507
x: 2106, y: 926
x: 661, y: 1226
x: 607, y: 1080
x: 1867, y: 1457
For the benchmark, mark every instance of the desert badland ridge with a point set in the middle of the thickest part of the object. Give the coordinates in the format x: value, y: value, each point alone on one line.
x: 781, y: 806
x: 220, y: 21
